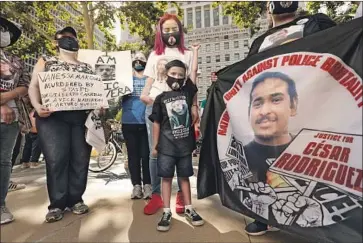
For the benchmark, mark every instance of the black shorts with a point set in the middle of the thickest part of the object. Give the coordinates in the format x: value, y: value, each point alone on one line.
x: 166, y: 166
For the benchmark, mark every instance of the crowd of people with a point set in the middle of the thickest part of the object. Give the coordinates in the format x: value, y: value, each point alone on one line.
x: 159, y: 118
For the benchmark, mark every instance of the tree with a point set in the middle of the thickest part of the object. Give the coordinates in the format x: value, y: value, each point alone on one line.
x: 338, y: 11
x: 245, y: 14
x: 141, y: 18
x: 37, y: 21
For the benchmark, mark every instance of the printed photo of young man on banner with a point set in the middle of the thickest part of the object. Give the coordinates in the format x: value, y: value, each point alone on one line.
x: 296, y: 156
x: 115, y: 69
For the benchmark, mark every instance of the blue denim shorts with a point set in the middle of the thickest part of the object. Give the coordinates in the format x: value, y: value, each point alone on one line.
x: 167, y: 164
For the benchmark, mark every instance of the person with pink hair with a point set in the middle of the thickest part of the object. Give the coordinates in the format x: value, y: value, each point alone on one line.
x: 168, y: 46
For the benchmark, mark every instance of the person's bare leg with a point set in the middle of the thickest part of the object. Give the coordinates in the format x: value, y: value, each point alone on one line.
x: 166, y: 191
x: 185, y: 187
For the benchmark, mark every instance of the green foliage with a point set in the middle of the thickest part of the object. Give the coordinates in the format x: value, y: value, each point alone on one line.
x: 41, y: 28
x: 334, y: 10
x: 245, y: 14
x: 135, y: 47
x: 118, y: 116
x: 141, y: 18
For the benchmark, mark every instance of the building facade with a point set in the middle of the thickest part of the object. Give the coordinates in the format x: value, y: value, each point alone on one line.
x: 222, y: 43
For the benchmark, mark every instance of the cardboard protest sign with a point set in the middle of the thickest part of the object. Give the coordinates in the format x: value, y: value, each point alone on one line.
x: 283, y: 136
x: 327, y: 157
x: 61, y: 91
x: 115, y: 69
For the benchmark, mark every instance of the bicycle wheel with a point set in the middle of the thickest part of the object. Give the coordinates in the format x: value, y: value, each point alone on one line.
x: 102, y: 161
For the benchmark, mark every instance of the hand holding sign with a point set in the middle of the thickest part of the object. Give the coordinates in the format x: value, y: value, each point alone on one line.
x: 311, y: 216
x: 43, y: 111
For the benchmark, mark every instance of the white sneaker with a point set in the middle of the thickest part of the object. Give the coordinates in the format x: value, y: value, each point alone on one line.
x: 136, y: 192
x: 6, y: 216
x: 148, y: 191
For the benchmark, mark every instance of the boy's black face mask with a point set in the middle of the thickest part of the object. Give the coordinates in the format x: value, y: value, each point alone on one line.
x: 175, y: 83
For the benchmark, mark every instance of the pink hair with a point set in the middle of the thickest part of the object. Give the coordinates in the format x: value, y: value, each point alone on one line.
x: 159, y: 46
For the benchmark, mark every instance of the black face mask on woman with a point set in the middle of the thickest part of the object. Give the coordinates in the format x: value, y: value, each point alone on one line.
x: 171, y: 39
x: 68, y: 43
x: 175, y: 83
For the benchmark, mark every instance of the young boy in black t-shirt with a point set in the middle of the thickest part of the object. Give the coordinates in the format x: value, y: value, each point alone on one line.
x: 174, y: 140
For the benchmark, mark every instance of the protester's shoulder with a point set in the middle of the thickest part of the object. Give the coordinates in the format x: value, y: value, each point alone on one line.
x: 317, y: 22
x: 190, y: 87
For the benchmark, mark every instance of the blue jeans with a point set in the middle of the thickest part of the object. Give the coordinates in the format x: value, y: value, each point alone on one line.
x: 8, y: 135
x: 67, y: 155
x: 155, y: 179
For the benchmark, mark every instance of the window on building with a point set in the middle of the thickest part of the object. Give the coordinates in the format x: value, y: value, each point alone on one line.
x: 218, y: 68
x: 207, y: 47
x: 226, y: 45
x: 207, y: 40
x: 225, y: 20
x: 245, y: 54
x: 216, y: 46
x: 208, y: 78
x: 218, y: 58
x: 189, y: 18
x: 216, y: 16
x: 198, y: 17
x: 225, y: 37
x: 206, y: 16
x: 227, y: 58
x: 209, y: 69
x: 235, y: 36
x: 199, y: 60
x: 245, y: 43
x: 236, y: 44
x: 236, y: 56
x: 217, y: 38
x: 208, y: 59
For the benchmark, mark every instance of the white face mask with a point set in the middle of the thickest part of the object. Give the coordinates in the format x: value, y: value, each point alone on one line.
x: 66, y: 52
x: 5, y: 39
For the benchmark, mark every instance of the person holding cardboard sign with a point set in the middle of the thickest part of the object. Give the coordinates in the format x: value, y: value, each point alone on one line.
x: 62, y: 133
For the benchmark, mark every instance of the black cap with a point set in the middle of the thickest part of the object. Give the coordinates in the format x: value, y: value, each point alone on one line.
x: 67, y: 29
x: 16, y: 32
x: 175, y: 63
x: 276, y: 7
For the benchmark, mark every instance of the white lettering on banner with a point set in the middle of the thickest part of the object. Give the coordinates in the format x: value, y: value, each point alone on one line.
x: 71, y: 91
x: 335, y: 162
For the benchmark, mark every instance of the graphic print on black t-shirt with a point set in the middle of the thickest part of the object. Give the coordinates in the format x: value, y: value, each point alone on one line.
x: 178, y: 113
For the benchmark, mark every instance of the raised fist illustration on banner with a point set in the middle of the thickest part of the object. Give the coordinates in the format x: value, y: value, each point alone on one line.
x: 311, y: 211
x: 261, y: 197
x: 236, y: 180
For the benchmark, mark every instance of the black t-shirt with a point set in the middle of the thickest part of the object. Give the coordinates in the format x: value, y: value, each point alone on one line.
x: 296, y: 29
x: 259, y: 158
x: 172, y: 109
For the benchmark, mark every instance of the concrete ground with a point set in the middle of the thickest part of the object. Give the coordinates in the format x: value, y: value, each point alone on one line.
x: 114, y: 217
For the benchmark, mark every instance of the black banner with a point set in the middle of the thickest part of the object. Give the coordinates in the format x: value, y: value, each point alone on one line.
x: 283, y: 136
